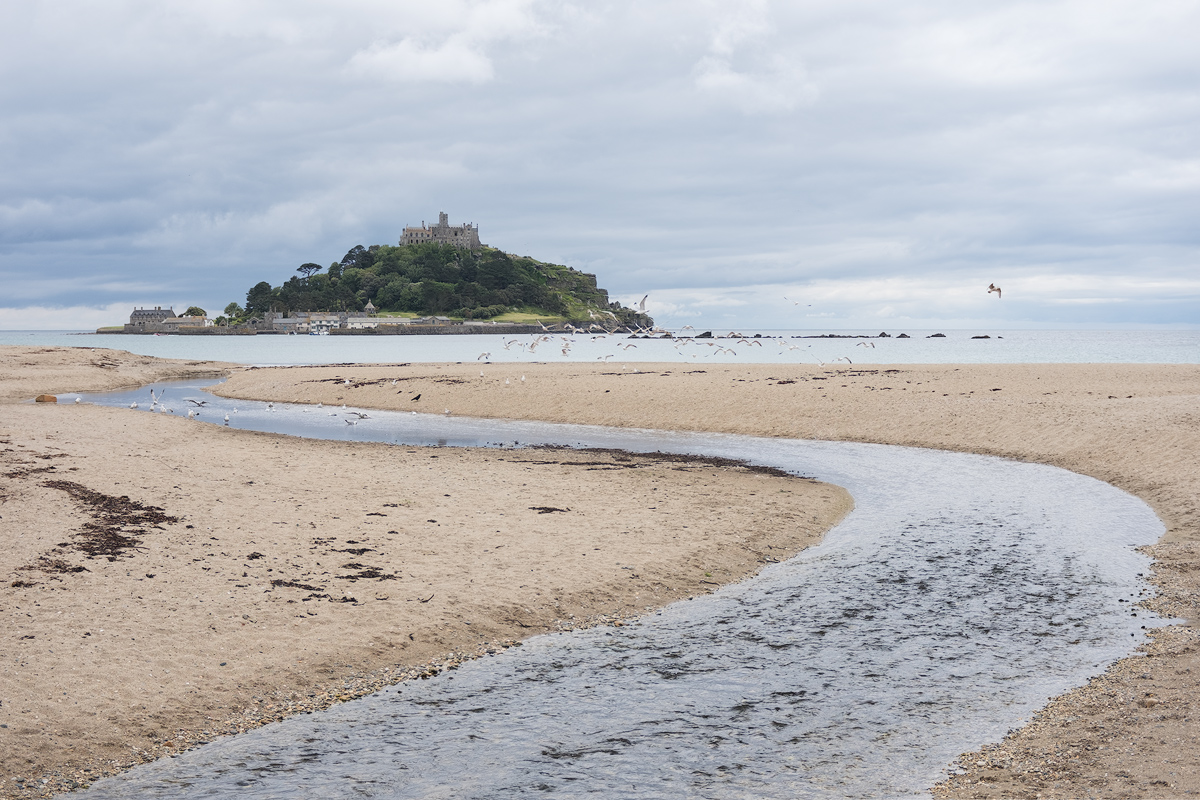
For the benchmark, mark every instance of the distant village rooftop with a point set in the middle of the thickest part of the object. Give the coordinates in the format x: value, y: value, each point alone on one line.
x: 465, y: 235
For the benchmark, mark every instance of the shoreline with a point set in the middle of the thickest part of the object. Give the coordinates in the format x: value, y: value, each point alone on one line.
x: 1126, y: 732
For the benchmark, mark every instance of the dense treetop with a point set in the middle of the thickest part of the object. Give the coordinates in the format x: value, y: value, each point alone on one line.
x: 437, y: 279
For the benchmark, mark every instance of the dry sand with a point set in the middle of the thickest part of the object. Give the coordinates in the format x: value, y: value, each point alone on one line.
x: 1133, y: 732
x: 166, y: 581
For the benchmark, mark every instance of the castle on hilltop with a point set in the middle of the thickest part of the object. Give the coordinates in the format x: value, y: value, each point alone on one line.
x: 465, y: 235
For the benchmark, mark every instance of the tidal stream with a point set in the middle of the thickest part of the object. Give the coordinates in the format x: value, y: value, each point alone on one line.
x: 960, y: 594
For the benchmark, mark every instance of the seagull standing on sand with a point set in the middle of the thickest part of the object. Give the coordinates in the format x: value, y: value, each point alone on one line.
x: 994, y: 288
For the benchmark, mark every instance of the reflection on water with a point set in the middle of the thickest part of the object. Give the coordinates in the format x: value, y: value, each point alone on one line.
x: 960, y: 594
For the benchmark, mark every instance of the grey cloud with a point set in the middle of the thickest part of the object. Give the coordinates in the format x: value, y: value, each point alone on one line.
x: 676, y: 147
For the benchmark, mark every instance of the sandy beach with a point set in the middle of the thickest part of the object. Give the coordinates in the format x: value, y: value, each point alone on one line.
x: 166, y: 582
x: 199, y: 640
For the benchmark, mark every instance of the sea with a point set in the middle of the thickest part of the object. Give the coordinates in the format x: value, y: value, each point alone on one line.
x: 729, y: 347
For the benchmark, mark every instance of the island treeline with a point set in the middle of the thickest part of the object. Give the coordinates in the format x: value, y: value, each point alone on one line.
x: 438, y: 279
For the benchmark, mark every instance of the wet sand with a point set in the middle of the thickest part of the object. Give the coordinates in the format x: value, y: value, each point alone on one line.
x: 1131, y: 732
x: 166, y: 581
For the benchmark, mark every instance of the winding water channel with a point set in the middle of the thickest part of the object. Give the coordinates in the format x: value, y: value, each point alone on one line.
x: 960, y: 594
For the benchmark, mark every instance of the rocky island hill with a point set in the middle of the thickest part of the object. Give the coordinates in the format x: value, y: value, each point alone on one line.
x: 438, y: 279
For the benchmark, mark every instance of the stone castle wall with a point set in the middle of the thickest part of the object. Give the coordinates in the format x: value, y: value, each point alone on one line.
x: 465, y: 235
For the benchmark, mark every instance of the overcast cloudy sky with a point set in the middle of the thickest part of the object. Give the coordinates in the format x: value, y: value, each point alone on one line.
x: 814, y: 164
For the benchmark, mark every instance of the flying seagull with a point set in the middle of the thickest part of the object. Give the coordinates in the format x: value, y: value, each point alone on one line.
x: 642, y: 305
x: 994, y: 288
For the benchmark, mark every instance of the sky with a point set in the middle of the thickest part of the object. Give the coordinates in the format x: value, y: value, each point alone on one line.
x: 848, y: 164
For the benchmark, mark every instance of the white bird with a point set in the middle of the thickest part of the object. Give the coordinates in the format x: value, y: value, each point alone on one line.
x: 626, y: 346
x: 320, y: 406
x: 483, y: 356
x: 133, y: 405
x: 522, y: 379
x: 604, y: 358
x: 270, y: 406
x: 351, y: 422
x: 226, y: 419
x: 447, y: 411
x: 78, y: 400
x: 506, y: 381
x: 360, y: 415
x: 347, y: 382
x: 642, y: 305
x: 481, y: 373
x: 994, y: 288
x: 866, y: 344
x: 343, y: 406
x: 191, y: 413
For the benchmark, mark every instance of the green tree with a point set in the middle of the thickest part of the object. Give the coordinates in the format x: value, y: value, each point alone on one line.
x: 233, y: 311
x: 195, y: 311
x: 308, y: 270
x: 260, y: 298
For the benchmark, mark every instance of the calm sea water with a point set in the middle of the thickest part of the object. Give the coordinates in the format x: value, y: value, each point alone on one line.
x: 958, y: 347
x: 960, y: 594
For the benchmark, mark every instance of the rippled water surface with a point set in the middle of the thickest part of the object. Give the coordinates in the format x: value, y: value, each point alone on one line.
x: 956, y: 347
x: 959, y: 595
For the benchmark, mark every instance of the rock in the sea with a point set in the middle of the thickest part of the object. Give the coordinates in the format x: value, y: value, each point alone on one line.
x: 46, y: 398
